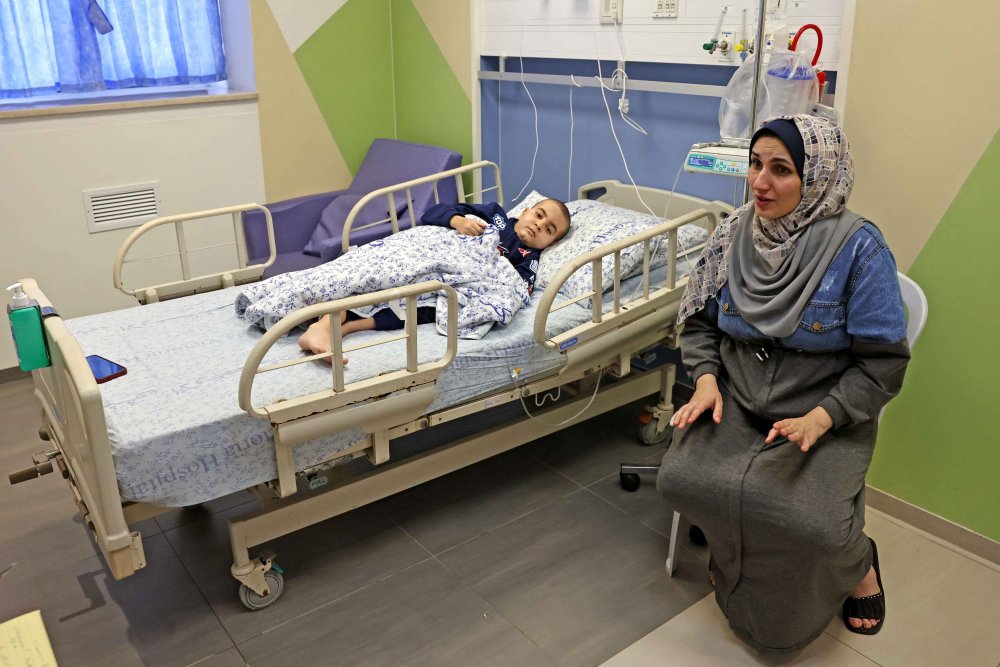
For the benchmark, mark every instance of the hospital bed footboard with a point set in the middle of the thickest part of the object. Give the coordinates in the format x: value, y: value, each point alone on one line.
x: 74, y: 424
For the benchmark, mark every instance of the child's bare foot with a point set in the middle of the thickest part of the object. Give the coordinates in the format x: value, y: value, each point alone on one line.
x: 316, y: 339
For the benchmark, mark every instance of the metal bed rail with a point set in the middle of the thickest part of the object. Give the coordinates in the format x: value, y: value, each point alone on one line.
x: 407, y: 187
x: 192, y: 285
x: 375, y: 405
x: 620, y: 314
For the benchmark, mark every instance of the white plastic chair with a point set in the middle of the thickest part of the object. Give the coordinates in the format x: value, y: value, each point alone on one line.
x: 916, y: 317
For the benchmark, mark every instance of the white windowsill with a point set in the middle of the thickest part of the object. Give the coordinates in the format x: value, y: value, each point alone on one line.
x: 118, y: 100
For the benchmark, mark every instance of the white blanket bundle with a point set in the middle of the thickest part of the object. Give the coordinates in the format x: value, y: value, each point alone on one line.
x: 489, y: 288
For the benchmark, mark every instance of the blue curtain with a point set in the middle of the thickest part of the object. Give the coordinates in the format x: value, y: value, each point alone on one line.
x: 50, y: 46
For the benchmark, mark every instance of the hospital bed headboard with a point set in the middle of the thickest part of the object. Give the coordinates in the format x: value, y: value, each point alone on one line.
x: 664, y: 204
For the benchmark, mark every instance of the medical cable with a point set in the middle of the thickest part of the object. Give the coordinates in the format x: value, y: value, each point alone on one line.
x: 531, y: 175
x: 622, y: 78
x: 684, y: 253
x: 569, y: 177
x: 621, y: 152
x: 611, y: 123
x: 500, y: 119
x: 520, y: 57
x: 657, y: 241
x: 524, y: 405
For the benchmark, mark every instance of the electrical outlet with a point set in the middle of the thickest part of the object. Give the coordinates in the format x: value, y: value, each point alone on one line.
x: 665, y: 9
x: 611, y: 11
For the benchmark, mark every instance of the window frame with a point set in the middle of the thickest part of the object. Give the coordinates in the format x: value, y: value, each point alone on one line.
x: 237, y: 42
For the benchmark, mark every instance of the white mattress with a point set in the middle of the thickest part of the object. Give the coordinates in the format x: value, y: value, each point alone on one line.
x: 178, y: 435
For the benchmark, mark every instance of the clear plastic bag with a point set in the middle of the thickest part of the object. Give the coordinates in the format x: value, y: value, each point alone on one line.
x: 788, y: 86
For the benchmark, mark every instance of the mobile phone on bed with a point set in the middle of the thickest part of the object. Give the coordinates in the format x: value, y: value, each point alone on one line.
x: 104, y: 369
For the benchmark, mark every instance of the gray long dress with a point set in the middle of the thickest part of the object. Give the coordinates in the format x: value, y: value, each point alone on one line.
x: 784, y: 528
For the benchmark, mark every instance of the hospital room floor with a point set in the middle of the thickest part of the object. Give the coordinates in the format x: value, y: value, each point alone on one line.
x: 534, y: 557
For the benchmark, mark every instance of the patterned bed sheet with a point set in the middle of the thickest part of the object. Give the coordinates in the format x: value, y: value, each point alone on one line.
x: 177, y: 433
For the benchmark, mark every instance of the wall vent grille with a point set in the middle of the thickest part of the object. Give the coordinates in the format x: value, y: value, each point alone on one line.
x: 122, y: 206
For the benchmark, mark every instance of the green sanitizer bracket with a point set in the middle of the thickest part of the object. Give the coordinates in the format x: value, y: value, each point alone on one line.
x: 26, y: 327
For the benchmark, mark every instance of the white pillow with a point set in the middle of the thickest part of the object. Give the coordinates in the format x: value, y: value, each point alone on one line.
x: 593, y: 224
x: 529, y: 200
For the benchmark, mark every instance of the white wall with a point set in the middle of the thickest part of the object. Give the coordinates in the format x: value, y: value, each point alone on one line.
x: 570, y: 28
x: 204, y: 156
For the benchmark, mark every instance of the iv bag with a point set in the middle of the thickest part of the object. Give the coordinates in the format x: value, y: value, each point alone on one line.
x: 788, y: 86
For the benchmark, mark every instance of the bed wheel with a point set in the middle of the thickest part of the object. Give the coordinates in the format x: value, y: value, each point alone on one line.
x: 649, y: 436
x: 629, y: 481
x: 43, y: 433
x: 254, y: 602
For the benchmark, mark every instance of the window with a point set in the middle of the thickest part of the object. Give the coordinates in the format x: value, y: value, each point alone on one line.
x: 79, y: 47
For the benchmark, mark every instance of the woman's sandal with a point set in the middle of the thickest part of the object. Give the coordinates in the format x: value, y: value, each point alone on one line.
x: 871, y: 607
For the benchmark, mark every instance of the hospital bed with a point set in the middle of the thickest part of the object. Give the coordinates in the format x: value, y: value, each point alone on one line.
x: 210, y: 406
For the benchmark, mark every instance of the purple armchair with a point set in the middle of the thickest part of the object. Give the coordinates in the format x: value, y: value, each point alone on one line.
x: 307, y: 230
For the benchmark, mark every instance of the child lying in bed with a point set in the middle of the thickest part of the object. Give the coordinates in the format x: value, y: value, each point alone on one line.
x: 521, y: 242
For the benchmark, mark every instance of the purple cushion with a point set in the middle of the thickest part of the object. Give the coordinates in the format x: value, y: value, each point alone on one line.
x: 287, y: 262
x: 333, y: 217
x: 390, y: 161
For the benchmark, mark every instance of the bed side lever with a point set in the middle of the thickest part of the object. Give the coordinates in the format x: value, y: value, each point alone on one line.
x: 43, y: 466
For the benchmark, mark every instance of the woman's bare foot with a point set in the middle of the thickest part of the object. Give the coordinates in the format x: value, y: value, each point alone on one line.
x: 867, y: 586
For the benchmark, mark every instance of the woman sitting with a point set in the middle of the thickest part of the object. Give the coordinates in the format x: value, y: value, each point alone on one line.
x: 795, y: 337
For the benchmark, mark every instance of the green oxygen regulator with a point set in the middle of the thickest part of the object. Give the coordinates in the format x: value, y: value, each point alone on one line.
x: 25, y: 317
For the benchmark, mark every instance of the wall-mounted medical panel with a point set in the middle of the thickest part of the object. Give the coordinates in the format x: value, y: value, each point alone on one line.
x: 573, y: 29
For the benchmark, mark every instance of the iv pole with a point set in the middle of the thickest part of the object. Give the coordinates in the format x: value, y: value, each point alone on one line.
x: 758, y: 67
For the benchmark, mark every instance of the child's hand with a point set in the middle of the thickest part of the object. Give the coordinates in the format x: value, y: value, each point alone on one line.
x: 467, y: 226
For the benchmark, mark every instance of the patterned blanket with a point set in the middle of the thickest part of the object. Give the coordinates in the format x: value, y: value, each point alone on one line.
x: 489, y: 289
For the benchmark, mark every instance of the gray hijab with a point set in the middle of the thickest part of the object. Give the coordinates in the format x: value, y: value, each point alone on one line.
x: 774, y: 298
x: 774, y: 265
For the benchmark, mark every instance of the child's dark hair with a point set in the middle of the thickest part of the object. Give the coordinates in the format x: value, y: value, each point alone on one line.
x: 565, y: 211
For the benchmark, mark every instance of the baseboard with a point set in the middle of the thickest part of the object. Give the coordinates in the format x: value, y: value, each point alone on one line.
x: 11, y: 374
x: 935, y: 526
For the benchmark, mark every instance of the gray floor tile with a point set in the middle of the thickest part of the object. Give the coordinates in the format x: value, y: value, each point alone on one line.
x: 151, y: 618
x: 450, y: 510
x: 182, y: 515
x: 580, y: 577
x: 228, y: 658
x: 592, y: 450
x: 422, y: 616
x: 645, y: 504
x: 39, y: 521
x: 321, y: 563
x: 42, y: 530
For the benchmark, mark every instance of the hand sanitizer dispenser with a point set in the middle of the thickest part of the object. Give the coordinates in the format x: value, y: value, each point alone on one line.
x: 26, y: 326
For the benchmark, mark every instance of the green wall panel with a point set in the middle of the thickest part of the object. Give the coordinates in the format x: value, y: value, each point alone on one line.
x: 937, y: 448
x: 431, y: 105
x: 348, y: 67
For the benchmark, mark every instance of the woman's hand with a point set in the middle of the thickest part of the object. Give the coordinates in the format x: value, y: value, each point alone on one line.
x: 467, y: 226
x: 706, y: 396
x: 804, y: 431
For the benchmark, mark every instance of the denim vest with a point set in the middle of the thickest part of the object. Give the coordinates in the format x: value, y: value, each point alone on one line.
x: 858, y: 297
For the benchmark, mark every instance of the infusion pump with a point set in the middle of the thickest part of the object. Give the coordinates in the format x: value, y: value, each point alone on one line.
x: 715, y: 158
